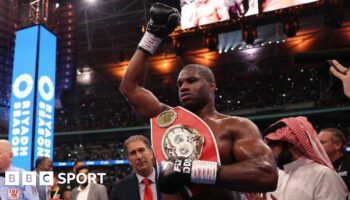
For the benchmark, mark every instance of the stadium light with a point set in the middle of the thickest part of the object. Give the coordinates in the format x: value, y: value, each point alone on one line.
x: 211, y: 41
x: 179, y: 46
x: 291, y: 27
x: 291, y: 24
x: 249, y: 33
x: 90, y: 1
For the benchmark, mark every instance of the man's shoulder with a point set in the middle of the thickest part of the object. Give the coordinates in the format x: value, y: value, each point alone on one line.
x: 234, y: 119
x: 324, y: 175
x: 127, y: 179
x: 237, y: 124
x: 125, y: 184
x: 98, y: 186
x: 75, y: 189
x: 13, y: 168
x: 320, y: 170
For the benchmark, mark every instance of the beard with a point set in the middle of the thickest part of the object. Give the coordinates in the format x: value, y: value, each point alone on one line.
x: 189, y: 105
x: 194, y: 104
x: 284, y: 157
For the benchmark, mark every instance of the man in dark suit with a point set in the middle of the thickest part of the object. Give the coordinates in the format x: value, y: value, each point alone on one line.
x: 141, y: 184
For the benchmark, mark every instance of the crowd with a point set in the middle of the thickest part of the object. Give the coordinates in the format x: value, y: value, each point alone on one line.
x: 96, y: 112
x: 295, y: 145
x: 97, y: 150
x: 233, y: 94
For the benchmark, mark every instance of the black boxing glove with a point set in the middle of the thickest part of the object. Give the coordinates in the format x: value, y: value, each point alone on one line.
x: 174, y: 176
x: 164, y: 20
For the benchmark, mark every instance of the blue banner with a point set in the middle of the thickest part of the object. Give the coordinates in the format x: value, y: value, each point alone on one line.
x: 92, y: 163
x: 22, y: 97
x: 33, y: 95
x: 45, y: 95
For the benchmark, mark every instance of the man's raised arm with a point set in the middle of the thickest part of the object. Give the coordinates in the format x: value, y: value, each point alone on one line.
x: 164, y: 20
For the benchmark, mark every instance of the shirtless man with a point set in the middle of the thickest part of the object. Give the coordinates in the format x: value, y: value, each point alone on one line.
x: 202, y: 12
x: 247, y: 164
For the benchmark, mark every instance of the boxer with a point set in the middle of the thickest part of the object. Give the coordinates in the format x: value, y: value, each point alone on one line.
x: 247, y: 164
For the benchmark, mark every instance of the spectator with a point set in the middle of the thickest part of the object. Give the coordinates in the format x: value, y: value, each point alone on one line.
x: 42, y: 164
x: 57, y: 191
x: 73, y: 184
x: 334, y: 142
x: 142, y: 183
x: 308, y: 173
x: 22, y: 192
x: 262, y: 93
x: 88, y: 190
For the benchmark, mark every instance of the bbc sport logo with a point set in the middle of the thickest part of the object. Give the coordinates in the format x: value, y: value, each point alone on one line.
x: 15, y: 178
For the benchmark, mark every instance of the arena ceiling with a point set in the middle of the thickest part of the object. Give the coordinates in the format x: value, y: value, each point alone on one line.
x: 108, y: 32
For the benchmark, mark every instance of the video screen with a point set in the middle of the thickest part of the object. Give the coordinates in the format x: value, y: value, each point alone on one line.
x: 202, y: 12
x: 271, y: 5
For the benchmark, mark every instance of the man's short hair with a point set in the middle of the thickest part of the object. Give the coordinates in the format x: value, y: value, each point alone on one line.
x: 203, y: 71
x: 40, y: 160
x: 337, y: 137
x: 81, y: 168
x: 136, y: 138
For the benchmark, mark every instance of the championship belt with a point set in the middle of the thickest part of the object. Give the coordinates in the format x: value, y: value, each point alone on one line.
x: 179, y: 134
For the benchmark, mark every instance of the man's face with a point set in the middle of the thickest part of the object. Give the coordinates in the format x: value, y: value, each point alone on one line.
x: 83, y: 171
x: 325, y: 138
x: 5, y: 160
x: 281, y: 152
x: 55, y: 181
x: 194, y: 89
x: 140, y: 157
x: 46, y: 165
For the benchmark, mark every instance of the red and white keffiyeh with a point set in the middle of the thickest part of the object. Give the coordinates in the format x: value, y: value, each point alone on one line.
x: 300, y: 132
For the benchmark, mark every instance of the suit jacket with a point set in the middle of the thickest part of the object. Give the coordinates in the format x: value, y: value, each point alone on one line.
x: 42, y: 189
x: 128, y: 189
x: 96, y: 192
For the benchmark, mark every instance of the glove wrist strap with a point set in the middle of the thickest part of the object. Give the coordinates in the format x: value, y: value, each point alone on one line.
x: 204, y: 172
x: 149, y: 43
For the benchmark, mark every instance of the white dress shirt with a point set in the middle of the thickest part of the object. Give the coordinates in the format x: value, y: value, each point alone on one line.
x: 305, y: 179
x: 152, y: 178
x: 83, y: 193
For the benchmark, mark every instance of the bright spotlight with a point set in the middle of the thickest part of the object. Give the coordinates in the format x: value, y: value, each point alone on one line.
x: 90, y: 1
